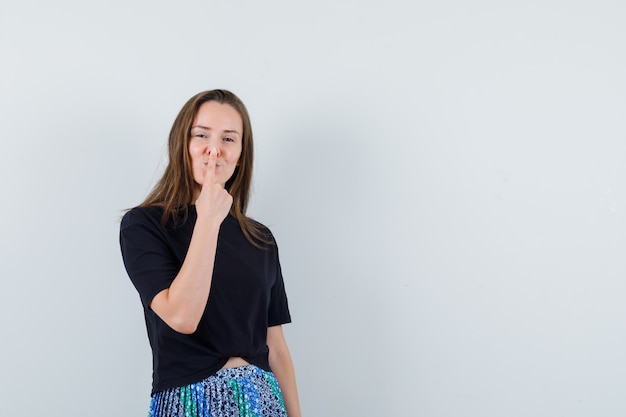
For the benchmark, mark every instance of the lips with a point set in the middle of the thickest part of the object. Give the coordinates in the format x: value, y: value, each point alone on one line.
x: 205, y: 162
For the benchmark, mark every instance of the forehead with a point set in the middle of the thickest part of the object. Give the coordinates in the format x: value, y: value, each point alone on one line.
x: 218, y: 116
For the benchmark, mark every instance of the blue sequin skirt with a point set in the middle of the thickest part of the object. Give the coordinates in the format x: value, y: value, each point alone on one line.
x: 245, y: 391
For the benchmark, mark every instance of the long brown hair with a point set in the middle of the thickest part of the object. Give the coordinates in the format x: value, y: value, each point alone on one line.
x: 174, y: 191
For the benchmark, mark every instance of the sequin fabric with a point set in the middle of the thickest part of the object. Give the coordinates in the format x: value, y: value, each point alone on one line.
x: 246, y: 391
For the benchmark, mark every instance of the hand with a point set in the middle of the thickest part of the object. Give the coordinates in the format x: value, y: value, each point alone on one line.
x: 214, y: 202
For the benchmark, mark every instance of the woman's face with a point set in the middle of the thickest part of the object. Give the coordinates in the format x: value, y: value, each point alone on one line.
x: 216, y: 127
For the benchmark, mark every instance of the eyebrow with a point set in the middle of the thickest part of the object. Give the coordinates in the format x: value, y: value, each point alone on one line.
x: 208, y: 128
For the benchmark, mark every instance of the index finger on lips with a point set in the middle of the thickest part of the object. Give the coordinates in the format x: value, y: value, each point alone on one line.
x: 209, y: 173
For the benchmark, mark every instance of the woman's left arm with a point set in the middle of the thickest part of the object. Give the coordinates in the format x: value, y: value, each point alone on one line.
x: 282, y: 367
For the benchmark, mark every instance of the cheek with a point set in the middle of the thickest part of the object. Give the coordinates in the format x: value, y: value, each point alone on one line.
x: 195, y: 161
x: 195, y: 158
x: 233, y: 157
x: 197, y: 172
x: 194, y: 152
x: 237, y: 156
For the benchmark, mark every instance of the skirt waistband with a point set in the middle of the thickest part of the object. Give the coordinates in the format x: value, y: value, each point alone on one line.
x: 245, y: 391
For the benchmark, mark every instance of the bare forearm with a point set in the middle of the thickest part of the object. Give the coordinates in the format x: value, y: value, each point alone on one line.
x: 282, y: 367
x: 182, y: 304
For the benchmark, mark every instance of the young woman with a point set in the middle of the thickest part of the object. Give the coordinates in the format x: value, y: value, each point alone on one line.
x: 209, y: 277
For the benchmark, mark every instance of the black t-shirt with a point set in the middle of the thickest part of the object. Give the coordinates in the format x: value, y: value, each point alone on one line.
x: 247, y: 296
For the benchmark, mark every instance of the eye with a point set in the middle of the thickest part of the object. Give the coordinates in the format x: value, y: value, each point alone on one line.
x: 200, y: 136
x: 229, y: 139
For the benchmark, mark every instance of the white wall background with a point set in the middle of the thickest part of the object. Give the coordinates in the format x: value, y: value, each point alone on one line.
x: 446, y: 180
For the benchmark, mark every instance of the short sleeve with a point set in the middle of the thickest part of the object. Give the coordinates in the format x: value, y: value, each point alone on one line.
x: 147, y: 257
x: 278, y: 312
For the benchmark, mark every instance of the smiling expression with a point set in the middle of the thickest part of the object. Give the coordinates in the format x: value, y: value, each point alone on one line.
x: 216, y: 127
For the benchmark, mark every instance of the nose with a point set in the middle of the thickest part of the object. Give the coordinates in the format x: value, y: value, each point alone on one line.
x: 212, y: 149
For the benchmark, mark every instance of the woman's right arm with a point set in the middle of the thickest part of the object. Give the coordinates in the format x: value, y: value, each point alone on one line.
x: 182, y: 304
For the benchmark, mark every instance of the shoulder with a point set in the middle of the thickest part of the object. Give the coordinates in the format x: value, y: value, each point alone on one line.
x: 263, y: 230
x: 259, y: 225
x: 138, y: 216
x: 254, y: 232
